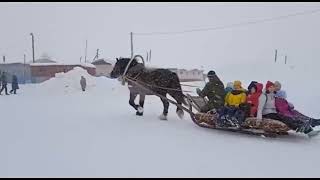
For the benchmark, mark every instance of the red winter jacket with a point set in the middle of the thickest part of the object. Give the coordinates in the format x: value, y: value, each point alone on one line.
x: 253, y: 99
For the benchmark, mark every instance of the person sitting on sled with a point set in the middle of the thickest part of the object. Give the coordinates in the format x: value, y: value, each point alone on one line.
x: 237, y: 96
x: 214, y: 90
x: 287, y: 109
x: 282, y: 93
x: 236, y: 110
x: 229, y: 87
x: 254, y: 92
x: 249, y: 87
x: 267, y: 109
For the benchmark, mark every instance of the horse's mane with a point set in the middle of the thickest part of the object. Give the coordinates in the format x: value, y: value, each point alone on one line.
x: 127, y: 60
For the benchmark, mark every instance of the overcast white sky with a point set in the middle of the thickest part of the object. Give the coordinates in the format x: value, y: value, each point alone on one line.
x: 61, y: 30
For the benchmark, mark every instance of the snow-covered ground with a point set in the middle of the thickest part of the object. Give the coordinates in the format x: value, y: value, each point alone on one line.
x: 54, y: 129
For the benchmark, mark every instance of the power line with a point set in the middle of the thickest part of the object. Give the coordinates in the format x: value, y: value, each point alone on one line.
x: 231, y: 25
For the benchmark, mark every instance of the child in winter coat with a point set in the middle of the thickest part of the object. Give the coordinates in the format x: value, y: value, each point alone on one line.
x: 237, y: 96
x: 254, y: 92
x: 287, y: 109
x: 253, y: 83
x: 235, y: 110
x: 267, y: 109
x: 229, y: 87
x: 279, y: 92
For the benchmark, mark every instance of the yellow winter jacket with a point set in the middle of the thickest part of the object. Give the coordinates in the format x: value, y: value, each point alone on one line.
x: 235, y: 98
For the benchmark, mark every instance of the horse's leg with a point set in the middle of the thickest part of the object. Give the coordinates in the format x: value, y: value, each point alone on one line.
x: 131, y: 100
x: 141, y: 103
x: 163, y: 116
x: 178, y: 96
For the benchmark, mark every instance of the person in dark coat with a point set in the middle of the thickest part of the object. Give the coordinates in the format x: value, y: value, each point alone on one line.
x: 215, y: 92
x: 83, y: 83
x: 14, y: 84
x: 4, y: 83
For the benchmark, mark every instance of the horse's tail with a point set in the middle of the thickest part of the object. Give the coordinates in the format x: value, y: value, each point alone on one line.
x: 175, y: 84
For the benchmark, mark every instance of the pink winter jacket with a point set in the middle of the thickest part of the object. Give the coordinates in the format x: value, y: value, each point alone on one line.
x: 283, y: 107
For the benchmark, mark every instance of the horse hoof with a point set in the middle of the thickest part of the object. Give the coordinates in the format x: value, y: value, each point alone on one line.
x: 163, y: 117
x: 139, y: 113
x: 140, y: 109
x: 180, y: 114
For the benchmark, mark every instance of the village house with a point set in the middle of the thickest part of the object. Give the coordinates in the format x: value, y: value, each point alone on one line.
x: 21, y: 70
x: 103, y: 67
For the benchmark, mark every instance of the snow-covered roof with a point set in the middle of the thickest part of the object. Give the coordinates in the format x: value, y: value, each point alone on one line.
x: 63, y: 64
x: 194, y: 70
x: 101, y: 62
x: 44, y: 60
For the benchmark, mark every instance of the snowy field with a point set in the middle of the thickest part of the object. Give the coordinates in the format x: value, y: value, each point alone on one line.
x: 54, y: 129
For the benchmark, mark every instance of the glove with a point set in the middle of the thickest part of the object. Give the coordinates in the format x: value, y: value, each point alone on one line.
x: 198, y: 91
x: 291, y: 106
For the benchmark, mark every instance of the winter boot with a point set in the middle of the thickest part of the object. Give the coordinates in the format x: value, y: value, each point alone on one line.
x: 315, y: 122
x: 305, y: 128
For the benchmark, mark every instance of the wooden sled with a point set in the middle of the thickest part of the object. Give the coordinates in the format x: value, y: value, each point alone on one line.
x: 267, y: 128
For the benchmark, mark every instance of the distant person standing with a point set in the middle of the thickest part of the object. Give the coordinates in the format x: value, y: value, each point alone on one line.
x: 4, y: 83
x: 83, y: 83
x: 14, y: 85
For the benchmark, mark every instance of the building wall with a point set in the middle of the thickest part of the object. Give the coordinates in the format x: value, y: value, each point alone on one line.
x: 22, y: 71
x: 103, y: 70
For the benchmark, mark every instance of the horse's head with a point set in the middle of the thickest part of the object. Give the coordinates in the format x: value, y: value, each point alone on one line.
x: 120, y: 67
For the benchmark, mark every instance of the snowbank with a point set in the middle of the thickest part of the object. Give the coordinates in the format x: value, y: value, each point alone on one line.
x: 68, y: 82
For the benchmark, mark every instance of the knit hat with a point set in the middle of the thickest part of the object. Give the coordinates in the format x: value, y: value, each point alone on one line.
x: 269, y: 83
x: 211, y: 74
x: 277, y: 83
x: 230, y: 85
x: 237, y: 83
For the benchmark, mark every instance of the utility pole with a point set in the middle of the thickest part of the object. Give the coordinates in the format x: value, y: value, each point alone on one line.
x: 24, y: 68
x: 85, y: 57
x: 285, y: 59
x: 32, y: 47
x: 97, y: 55
x: 131, y: 38
x: 80, y: 59
x: 276, y: 54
